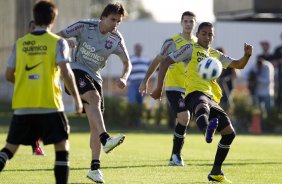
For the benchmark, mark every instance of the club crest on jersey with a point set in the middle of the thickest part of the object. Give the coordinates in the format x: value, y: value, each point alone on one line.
x: 81, y: 83
x: 181, y: 103
x: 108, y: 44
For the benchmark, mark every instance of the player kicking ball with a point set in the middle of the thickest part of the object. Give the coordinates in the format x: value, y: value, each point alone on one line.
x: 199, y: 94
x: 97, y: 40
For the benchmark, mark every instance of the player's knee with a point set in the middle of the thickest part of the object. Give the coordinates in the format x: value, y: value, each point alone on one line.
x: 62, y: 145
x: 92, y: 97
x: 227, y: 139
x: 183, y: 118
x: 202, y: 109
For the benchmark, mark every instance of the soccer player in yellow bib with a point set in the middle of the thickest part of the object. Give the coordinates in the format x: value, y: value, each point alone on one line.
x: 199, y: 98
x: 35, y: 65
x: 175, y: 82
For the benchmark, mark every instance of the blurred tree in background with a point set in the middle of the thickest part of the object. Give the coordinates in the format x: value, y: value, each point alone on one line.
x: 135, y: 9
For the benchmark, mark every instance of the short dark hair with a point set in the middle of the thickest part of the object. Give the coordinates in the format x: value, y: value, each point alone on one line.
x: 188, y: 13
x: 220, y: 49
x: 44, y: 13
x: 114, y: 8
x: 204, y: 24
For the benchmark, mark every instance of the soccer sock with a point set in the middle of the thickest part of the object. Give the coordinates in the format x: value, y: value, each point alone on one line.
x: 221, y: 153
x: 5, y: 155
x: 95, y: 164
x: 103, y: 137
x: 62, y: 167
x: 178, y: 138
x: 202, y: 119
x: 34, y: 145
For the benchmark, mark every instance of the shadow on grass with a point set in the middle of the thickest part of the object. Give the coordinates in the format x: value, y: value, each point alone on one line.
x: 243, y: 162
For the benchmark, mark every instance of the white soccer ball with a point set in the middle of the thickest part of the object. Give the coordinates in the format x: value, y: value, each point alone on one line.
x: 209, y: 68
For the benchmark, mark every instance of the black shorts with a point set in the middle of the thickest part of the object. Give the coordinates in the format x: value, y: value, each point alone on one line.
x: 197, y: 97
x: 51, y: 128
x: 86, y: 83
x: 176, y: 101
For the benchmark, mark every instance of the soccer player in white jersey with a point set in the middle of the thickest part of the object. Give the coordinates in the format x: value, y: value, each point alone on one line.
x: 199, y: 93
x: 96, y: 41
x: 174, y: 82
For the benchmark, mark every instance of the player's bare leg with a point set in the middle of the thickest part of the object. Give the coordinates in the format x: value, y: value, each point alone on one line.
x: 92, y: 107
x: 98, y: 134
x: 96, y: 121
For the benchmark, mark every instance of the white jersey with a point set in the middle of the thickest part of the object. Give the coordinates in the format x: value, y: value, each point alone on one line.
x: 94, y: 48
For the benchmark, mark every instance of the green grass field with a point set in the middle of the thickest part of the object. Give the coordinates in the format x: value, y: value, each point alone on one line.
x: 143, y: 158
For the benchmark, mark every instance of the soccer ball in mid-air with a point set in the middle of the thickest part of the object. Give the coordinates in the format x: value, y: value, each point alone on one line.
x: 210, y: 68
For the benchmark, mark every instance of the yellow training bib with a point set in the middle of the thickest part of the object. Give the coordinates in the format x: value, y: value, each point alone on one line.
x: 37, y: 78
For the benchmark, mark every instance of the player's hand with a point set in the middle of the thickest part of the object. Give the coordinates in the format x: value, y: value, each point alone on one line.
x: 157, y: 93
x: 143, y: 88
x: 121, y: 83
x: 248, y: 49
x: 78, y: 106
x: 71, y: 43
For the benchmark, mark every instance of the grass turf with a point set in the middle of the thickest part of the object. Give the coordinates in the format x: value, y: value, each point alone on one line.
x: 143, y: 158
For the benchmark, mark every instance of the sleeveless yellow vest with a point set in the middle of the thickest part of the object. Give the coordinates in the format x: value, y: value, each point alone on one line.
x: 196, y: 83
x: 175, y: 75
x: 37, y: 78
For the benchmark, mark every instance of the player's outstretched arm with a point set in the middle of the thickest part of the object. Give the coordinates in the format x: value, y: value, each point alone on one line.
x: 70, y: 84
x: 157, y: 93
x: 152, y: 68
x: 241, y: 63
x: 127, y: 67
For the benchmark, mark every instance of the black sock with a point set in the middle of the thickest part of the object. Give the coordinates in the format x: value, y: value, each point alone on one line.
x: 5, y: 155
x: 178, y: 138
x: 34, y: 145
x: 95, y: 164
x: 221, y: 153
x: 103, y: 137
x: 62, y: 167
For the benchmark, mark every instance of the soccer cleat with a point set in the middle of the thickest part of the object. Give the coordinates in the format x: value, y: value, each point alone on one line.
x: 113, y: 142
x: 176, y: 160
x: 218, y: 178
x: 38, y: 151
x: 211, y: 130
x: 96, y: 176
